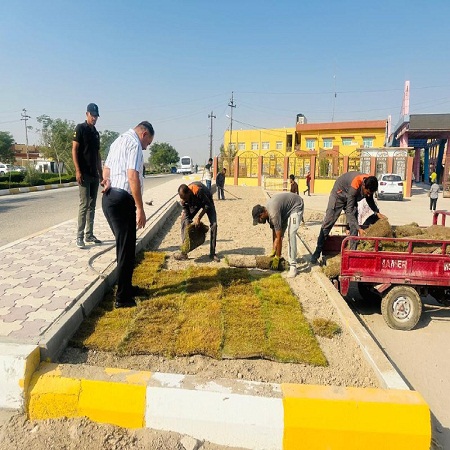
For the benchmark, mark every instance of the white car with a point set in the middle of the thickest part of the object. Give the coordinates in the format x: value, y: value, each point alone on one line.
x: 390, y: 185
x: 5, y: 168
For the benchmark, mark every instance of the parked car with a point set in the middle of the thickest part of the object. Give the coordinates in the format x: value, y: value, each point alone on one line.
x: 5, y: 168
x: 390, y: 185
x: 20, y: 169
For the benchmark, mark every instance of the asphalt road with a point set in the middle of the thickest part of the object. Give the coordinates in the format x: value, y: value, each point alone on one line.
x: 29, y: 213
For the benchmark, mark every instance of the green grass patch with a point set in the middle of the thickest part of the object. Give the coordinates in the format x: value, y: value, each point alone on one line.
x: 221, y: 313
x: 326, y: 328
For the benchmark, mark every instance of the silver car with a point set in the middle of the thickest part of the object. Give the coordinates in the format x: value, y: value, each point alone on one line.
x: 390, y: 185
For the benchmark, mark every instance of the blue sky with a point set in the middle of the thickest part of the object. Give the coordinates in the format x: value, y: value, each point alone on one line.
x: 172, y: 62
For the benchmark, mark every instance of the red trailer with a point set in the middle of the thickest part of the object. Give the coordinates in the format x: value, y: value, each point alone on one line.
x: 400, y: 277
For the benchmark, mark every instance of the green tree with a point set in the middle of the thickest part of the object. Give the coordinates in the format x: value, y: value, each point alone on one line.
x: 57, y: 137
x: 6, y: 151
x: 228, y: 154
x: 162, y: 156
x: 107, y: 137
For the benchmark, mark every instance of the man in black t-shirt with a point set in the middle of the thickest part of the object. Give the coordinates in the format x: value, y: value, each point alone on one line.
x: 88, y: 172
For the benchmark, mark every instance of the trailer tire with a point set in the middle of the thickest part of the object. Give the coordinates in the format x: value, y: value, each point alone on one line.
x: 401, y: 308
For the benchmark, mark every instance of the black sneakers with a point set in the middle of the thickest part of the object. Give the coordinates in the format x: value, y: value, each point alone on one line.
x: 80, y: 243
x: 93, y: 240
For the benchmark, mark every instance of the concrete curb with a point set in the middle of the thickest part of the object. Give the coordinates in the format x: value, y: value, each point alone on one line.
x: 234, y: 412
x: 388, y: 377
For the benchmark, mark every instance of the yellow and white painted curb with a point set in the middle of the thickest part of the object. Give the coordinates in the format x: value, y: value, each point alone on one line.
x: 18, y: 362
x: 234, y: 412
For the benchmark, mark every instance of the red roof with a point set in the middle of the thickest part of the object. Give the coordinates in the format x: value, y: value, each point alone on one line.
x: 341, y: 125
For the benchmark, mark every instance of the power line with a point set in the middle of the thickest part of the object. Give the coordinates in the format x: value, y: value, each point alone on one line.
x: 25, y: 117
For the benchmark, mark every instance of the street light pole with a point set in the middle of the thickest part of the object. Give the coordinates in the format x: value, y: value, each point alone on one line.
x: 25, y: 117
x: 211, y: 116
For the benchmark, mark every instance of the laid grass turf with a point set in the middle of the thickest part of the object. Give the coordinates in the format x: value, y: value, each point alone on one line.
x: 217, y: 312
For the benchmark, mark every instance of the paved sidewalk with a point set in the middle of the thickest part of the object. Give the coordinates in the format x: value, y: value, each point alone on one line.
x: 45, y: 275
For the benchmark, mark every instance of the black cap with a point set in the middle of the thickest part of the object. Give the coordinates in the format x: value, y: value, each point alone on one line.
x: 256, y: 212
x: 93, y: 109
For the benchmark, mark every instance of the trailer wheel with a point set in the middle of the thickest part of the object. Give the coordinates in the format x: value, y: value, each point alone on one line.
x: 401, y: 308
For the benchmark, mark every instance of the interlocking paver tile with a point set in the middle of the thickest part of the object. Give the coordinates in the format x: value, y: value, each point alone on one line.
x: 16, y: 267
x: 77, y: 285
x: 9, y: 300
x: 33, y: 282
x: 5, y: 287
x: 21, y: 274
x: 63, y: 302
x: 44, y: 291
x: 45, y: 314
x: 17, y: 313
x: 6, y: 328
x: 30, y: 329
x: 4, y: 310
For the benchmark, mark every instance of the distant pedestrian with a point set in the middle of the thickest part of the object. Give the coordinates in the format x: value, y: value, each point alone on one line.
x: 220, y: 183
x: 88, y: 172
x: 433, y: 194
x: 123, y: 183
x: 294, y: 185
x: 207, y: 173
x: 433, y: 177
x: 308, y: 184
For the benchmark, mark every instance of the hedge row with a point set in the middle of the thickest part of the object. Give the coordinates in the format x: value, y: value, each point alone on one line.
x: 17, y: 180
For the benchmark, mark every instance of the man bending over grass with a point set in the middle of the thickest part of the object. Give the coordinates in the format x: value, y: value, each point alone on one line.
x: 283, y: 211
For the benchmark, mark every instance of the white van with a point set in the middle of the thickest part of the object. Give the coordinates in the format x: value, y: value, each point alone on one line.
x: 186, y: 165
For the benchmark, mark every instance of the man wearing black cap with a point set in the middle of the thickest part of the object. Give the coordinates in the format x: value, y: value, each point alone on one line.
x: 282, y: 212
x: 88, y: 171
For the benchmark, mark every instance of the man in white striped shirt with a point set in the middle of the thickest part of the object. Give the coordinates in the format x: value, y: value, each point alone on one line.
x: 122, y: 202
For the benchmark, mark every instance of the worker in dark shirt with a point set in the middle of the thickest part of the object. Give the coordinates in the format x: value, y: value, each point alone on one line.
x: 294, y: 185
x: 197, y: 198
x: 348, y: 190
x: 88, y: 172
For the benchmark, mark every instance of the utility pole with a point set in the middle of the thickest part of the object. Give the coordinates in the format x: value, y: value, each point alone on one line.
x: 211, y: 116
x: 231, y: 105
x: 25, y: 117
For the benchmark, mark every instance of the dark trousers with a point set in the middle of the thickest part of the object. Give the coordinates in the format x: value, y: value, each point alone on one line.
x: 307, y: 190
x: 86, y: 212
x: 335, y: 206
x: 433, y: 202
x: 220, y: 192
x: 120, y: 212
x: 188, y: 217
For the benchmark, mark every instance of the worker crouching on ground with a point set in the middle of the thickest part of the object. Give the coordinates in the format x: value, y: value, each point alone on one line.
x: 282, y: 212
x: 194, y: 198
x: 347, y: 191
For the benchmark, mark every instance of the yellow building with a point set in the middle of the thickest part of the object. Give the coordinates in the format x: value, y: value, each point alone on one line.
x: 337, y: 137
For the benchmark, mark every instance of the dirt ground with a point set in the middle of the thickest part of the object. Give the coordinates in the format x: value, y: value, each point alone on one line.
x: 236, y: 235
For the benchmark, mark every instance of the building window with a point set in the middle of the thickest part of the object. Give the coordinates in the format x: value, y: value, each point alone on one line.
x: 310, y: 144
x: 347, y: 141
x: 367, y: 142
x: 328, y: 143
x: 255, y: 146
x: 265, y: 145
x: 279, y: 145
x: 241, y: 146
